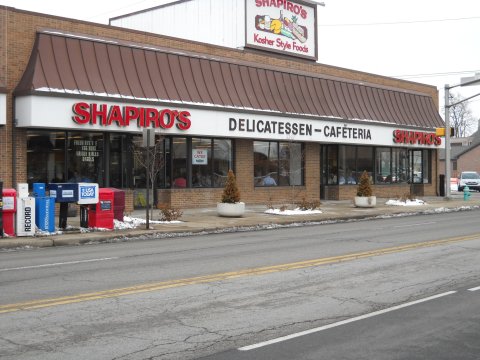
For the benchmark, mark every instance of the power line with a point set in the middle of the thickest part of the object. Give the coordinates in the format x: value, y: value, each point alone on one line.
x: 402, y: 22
x: 410, y: 76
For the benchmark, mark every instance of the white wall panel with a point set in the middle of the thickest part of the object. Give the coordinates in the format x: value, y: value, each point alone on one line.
x: 218, y: 22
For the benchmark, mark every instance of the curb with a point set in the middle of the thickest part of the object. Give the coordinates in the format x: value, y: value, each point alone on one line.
x: 75, y: 238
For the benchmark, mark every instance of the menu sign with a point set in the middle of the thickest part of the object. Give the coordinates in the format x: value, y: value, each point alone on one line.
x: 86, y: 150
x: 288, y: 27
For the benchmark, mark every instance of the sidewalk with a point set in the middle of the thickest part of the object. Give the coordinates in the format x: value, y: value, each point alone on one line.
x: 206, y: 220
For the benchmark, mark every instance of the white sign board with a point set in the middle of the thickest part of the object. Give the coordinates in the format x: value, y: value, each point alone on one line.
x: 199, y: 157
x: 8, y: 203
x: 288, y: 27
x: 26, y: 216
x: 31, y: 111
x: 87, y: 193
x: 3, y: 109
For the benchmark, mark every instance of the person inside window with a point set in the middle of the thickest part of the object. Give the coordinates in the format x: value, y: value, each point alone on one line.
x: 268, y: 180
x: 180, y: 181
x: 351, y: 179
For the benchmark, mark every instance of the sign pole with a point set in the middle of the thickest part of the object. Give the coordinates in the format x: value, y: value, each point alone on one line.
x: 1, y: 208
x: 147, y: 215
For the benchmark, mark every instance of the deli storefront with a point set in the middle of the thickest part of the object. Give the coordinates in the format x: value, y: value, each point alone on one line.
x: 286, y: 134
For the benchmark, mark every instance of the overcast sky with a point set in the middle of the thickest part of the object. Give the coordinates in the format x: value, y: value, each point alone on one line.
x: 436, y: 42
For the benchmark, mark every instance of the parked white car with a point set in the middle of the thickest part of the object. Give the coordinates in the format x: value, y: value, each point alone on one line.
x: 470, y: 179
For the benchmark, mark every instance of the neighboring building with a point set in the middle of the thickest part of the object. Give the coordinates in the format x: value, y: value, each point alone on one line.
x: 465, y: 154
x: 78, y: 95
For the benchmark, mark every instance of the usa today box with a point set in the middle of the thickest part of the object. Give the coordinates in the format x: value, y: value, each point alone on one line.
x: 87, y: 193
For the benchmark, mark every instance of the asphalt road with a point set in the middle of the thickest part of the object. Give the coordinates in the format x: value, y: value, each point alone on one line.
x: 441, y: 327
x: 190, y: 297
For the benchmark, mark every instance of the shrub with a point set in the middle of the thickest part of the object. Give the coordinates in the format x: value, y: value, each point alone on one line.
x: 308, y: 205
x: 231, y: 194
x: 364, y: 186
x: 168, y: 213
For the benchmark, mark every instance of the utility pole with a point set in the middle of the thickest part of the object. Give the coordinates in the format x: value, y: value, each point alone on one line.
x: 467, y: 81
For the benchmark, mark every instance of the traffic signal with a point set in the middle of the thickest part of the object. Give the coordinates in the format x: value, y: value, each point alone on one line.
x: 441, y: 131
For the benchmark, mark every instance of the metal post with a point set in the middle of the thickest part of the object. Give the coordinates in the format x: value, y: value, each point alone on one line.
x: 447, y: 142
x: 1, y: 208
x: 147, y: 216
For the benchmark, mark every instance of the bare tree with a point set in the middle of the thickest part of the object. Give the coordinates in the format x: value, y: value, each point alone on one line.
x: 461, y: 117
x: 154, y: 165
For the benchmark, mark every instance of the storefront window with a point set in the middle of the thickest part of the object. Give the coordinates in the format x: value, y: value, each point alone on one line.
x: 278, y: 163
x: 290, y: 161
x: 364, y: 162
x: 222, y: 161
x: 347, y: 165
x: 399, y: 166
x: 201, y: 162
x: 421, y: 166
x: 383, y: 159
x: 332, y: 164
x: 391, y: 165
x: 45, y: 156
x: 426, y: 173
x: 179, y: 162
x: 119, y: 160
x: 85, y: 158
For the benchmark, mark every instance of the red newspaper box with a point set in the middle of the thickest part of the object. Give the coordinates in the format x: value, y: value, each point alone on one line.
x: 9, y: 210
x: 100, y: 215
x: 119, y: 203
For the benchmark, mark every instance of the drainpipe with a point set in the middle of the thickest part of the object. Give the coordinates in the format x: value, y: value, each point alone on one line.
x: 14, y: 144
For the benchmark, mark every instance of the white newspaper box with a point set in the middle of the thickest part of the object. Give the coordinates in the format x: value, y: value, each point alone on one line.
x: 25, y: 211
x: 22, y: 190
x: 87, y: 194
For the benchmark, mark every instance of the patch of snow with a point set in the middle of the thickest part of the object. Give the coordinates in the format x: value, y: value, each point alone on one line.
x: 296, y: 211
x: 408, y: 202
x: 132, y: 223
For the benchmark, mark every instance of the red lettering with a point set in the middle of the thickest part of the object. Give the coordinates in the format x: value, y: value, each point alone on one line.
x: 415, y: 137
x: 81, y: 110
x: 106, y: 115
x: 151, y: 114
x: 115, y: 114
x: 287, y: 5
x: 141, y: 118
x: 101, y: 113
x: 167, y: 118
x: 131, y: 113
x: 183, y: 120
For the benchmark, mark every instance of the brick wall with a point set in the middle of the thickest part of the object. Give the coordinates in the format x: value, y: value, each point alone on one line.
x: 469, y: 161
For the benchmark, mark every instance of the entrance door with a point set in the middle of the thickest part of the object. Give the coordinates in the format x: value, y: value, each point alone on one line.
x: 416, y: 173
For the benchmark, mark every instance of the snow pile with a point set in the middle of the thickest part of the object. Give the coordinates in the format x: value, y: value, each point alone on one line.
x: 132, y: 223
x: 407, y: 202
x: 296, y: 211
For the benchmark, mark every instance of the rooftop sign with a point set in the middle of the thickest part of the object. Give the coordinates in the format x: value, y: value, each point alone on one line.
x: 287, y: 27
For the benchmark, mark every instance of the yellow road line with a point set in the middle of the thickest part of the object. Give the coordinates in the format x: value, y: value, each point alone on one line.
x: 37, y: 304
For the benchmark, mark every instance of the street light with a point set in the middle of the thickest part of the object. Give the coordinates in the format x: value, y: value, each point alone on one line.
x: 467, y: 81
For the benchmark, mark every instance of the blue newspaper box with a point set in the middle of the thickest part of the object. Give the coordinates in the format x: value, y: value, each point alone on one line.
x: 39, y: 190
x: 44, y: 208
x: 64, y: 192
x: 45, y: 213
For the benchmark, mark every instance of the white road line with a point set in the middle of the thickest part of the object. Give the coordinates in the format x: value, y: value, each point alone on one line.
x: 474, y: 289
x: 57, y: 264
x: 417, y: 224
x: 343, y: 322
